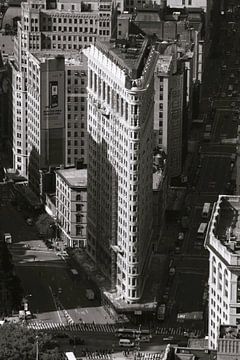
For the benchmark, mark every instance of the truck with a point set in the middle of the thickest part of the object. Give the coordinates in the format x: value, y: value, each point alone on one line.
x: 90, y: 294
x: 161, y: 312
x: 7, y: 238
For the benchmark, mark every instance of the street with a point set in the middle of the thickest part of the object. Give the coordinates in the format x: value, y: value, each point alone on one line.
x: 49, y: 285
x: 212, y: 173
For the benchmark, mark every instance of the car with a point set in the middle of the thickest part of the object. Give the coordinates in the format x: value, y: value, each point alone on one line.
x: 233, y: 104
x: 27, y: 246
x: 166, y: 294
x: 169, y: 338
x: 63, y: 253
x: 61, y: 335
x: 76, y: 341
x: 145, y: 339
x: 29, y: 221
x: 181, y: 236
x: 177, y: 250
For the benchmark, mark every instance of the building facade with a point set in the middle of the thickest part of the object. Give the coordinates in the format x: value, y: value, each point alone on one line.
x: 76, y: 109
x: 168, y: 111
x: 71, y: 205
x: 57, y: 28
x: 228, y: 347
x: 46, y: 115
x: 188, y: 4
x: 120, y: 126
x: 223, y: 244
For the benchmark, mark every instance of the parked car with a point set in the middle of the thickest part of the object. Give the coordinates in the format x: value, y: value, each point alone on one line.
x: 76, y: 341
x: 61, y: 335
x: 29, y: 221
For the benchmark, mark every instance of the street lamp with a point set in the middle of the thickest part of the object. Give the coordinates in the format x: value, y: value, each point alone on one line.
x: 37, y: 351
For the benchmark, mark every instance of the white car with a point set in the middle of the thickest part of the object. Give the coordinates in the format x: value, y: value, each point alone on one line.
x: 181, y: 236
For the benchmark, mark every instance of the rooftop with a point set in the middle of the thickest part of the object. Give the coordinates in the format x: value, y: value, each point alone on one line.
x: 226, y: 222
x: 193, y: 354
x: 164, y: 63
x: 74, y: 177
x: 229, y: 332
x: 129, y: 54
x: 159, y: 164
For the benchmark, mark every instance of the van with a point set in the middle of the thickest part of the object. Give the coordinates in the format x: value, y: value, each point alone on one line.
x: 7, y: 238
x: 126, y: 343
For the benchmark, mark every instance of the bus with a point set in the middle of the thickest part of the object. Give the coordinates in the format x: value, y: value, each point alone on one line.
x: 133, y: 334
x: 7, y: 238
x: 126, y: 343
x: 161, y: 312
x: 202, y: 231
x: 206, y: 210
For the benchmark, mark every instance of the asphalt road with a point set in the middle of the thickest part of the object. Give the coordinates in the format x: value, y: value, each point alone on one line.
x: 212, y: 171
x: 47, y: 277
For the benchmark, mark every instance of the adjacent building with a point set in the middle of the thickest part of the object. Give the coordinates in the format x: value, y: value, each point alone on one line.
x: 223, y: 244
x: 50, y: 28
x: 120, y: 126
x: 188, y: 4
x: 46, y: 115
x: 228, y: 344
x: 168, y: 110
x: 76, y: 109
x: 71, y: 205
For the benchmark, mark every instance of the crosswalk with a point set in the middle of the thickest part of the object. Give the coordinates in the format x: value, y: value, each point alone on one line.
x: 105, y: 328
x: 108, y: 328
x: 150, y: 356
x: 178, y: 331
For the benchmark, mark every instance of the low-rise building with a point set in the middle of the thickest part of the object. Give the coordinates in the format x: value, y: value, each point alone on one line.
x: 228, y: 345
x: 188, y: 4
x: 71, y: 205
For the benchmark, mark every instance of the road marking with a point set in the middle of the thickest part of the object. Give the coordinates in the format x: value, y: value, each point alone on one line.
x: 54, y: 302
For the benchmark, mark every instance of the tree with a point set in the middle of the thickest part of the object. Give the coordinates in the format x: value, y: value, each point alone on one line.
x: 18, y: 342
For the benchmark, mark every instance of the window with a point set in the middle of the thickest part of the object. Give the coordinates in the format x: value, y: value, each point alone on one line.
x: 78, y: 230
x: 78, y: 207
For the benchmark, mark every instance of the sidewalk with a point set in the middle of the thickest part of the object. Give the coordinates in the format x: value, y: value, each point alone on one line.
x: 132, y: 355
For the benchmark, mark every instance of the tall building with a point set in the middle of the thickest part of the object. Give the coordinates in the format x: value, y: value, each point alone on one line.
x: 168, y: 111
x: 223, y: 244
x: 63, y: 28
x: 76, y: 108
x: 120, y: 126
x: 46, y: 115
